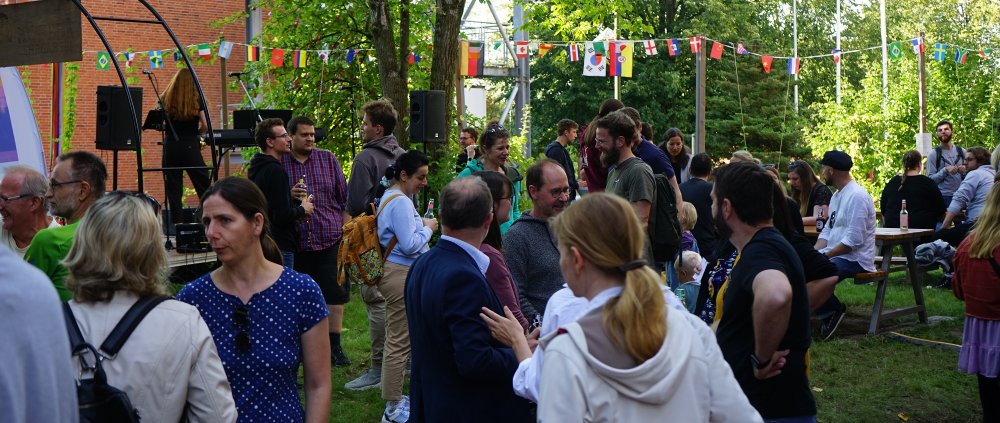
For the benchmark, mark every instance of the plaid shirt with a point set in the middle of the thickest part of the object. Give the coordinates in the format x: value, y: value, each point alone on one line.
x: 325, y: 181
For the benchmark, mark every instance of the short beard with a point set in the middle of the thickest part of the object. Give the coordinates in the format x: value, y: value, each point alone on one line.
x: 610, y: 158
x: 721, y: 228
x: 828, y: 180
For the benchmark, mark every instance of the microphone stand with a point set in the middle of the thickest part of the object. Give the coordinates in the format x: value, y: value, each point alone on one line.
x: 239, y: 77
x: 170, y: 124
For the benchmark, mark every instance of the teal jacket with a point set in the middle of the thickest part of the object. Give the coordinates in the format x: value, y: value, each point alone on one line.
x: 515, y: 179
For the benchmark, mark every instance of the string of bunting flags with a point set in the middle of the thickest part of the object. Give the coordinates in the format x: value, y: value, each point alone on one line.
x: 615, y: 58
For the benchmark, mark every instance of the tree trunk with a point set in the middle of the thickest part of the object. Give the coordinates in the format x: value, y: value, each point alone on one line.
x: 392, y: 67
x: 444, y: 65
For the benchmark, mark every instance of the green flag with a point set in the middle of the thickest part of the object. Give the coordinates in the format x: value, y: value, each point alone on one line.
x: 103, y: 60
x: 599, y: 47
x: 895, y: 51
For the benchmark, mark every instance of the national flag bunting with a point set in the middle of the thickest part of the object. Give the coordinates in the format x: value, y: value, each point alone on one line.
x: 716, y: 52
x: 521, y: 50
x: 205, y: 51
x: 155, y: 59
x: 918, y: 46
x: 471, y: 63
x: 673, y: 47
x: 940, y: 50
x: 544, y: 48
x: 650, y: 47
x: 177, y: 55
x: 574, y: 52
x: 985, y: 54
x: 594, y: 63
x: 299, y: 58
x: 695, y: 43
x: 278, y: 57
x: 128, y: 59
x: 766, y: 62
x: 324, y: 55
x: 103, y: 60
x: 225, y: 49
x: 412, y: 58
x: 793, y: 66
x: 895, y: 51
x: 961, y: 55
x: 620, y: 59
x: 350, y: 55
x: 253, y: 53
x: 836, y: 55
x: 740, y: 49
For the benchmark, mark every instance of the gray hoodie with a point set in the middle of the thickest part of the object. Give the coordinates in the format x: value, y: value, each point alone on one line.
x: 368, y: 169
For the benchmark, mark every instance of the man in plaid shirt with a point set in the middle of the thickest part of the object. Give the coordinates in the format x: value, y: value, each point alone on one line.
x: 316, y: 172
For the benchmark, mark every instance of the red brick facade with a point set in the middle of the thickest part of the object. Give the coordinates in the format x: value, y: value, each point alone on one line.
x: 192, y: 24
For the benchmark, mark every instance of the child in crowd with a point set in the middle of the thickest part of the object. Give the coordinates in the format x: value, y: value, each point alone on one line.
x: 688, y: 266
x: 688, y: 218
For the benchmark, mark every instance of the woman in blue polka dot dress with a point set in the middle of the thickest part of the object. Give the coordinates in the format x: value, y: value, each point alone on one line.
x: 266, y: 319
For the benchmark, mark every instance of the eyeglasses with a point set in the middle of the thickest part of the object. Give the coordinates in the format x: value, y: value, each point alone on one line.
x: 4, y: 198
x: 496, y: 127
x: 140, y: 195
x: 241, y: 318
x: 53, y: 184
x: 767, y: 165
x: 285, y: 135
x: 559, y: 192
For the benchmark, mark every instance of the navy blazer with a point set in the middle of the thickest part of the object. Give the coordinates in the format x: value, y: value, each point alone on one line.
x: 460, y: 373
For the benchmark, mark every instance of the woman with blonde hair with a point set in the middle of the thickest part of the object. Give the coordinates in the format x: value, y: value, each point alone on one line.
x: 184, y: 122
x: 169, y: 365
x: 630, y: 359
x: 977, y: 282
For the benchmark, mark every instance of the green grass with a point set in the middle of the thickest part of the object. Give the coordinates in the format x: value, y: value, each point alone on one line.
x: 855, y: 377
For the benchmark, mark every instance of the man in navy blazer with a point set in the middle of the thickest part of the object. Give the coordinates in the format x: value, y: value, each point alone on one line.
x: 460, y: 373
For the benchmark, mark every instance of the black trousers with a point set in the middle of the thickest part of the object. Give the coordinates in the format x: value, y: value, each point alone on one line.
x: 989, y: 396
x: 187, y: 152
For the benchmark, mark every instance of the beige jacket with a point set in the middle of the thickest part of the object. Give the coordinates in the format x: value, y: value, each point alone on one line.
x: 169, y: 361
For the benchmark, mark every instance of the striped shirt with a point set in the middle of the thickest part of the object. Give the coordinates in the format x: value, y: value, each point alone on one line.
x: 325, y: 180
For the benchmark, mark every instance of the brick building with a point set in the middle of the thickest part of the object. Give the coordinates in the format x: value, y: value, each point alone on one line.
x: 192, y: 21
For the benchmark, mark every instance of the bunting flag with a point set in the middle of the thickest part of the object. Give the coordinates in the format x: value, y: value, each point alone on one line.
x: 695, y: 43
x: 716, y: 52
x: 103, y: 60
x: 793, y: 66
x: 128, y: 59
x: 225, y: 49
x: 650, y: 47
x: 594, y: 63
x: 412, y: 58
x: 741, y: 50
x: 940, y: 50
x: 496, y: 45
x: 350, y: 55
x: 836, y: 55
x: 471, y: 62
x: 177, y: 55
x: 673, y: 47
x: 918, y: 46
x: 985, y: 54
x: 574, y: 52
x: 324, y: 55
x: 155, y: 59
x: 521, y: 50
x: 544, y: 48
x: 620, y: 59
x: 253, y: 54
x: 961, y: 55
x: 299, y: 59
x: 766, y: 62
x: 205, y: 51
x: 895, y: 51
x: 278, y: 57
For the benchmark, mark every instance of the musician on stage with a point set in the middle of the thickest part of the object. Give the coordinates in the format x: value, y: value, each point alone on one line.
x: 185, y: 122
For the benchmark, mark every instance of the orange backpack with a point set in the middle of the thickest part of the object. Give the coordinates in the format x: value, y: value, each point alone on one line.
x: 360, y: 258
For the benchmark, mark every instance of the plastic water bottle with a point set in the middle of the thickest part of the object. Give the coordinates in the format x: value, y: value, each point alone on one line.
x: 904, y: 218
x: 430, y: 209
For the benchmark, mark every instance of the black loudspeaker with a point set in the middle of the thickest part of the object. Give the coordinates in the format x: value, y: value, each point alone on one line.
x: 115, y: 125
x: 427, y: 110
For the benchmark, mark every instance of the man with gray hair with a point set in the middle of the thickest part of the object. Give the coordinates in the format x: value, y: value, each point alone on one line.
x: 76, y: 182
x: 460, y: 373
x: 23, y: 207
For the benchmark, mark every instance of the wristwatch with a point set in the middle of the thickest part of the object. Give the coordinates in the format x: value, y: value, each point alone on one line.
x: 757, y: 364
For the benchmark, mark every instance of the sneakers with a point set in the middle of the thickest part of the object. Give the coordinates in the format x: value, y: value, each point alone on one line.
x: 831, y: 323
x: 338, y: 358
x: 368, y: 380
x: 398, y: 414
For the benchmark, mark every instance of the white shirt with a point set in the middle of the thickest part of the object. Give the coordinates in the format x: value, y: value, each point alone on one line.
x: 481, y: 259
x: 852, y: 223
x: 8, y: 239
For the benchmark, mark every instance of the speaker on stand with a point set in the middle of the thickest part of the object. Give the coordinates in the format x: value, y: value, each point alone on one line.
x: 427, y: 112
x: 115, y: 128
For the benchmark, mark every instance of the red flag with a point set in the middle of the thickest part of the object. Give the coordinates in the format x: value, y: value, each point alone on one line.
x: 278, y: 57
x: 672, y: 47
x: 716, y: 50
x: 695, y: 43
x: 766, y: 61
x: 521, y: 50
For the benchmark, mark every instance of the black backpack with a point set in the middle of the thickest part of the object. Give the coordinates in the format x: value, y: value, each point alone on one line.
x: 98, y: 401
x: 664, y: 227
x: 961, y: 154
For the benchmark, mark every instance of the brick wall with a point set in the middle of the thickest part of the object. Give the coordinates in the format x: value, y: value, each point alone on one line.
x: 192, y: 23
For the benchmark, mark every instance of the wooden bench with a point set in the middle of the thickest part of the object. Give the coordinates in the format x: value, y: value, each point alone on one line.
x: 881, y: 279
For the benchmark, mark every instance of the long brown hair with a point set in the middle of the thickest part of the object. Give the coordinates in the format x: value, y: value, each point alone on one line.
x: 181, y: 96
x: 635, y: 320
x: 807, y: 179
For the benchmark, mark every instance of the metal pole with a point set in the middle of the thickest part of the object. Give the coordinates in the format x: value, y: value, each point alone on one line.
x: 922, y: 80
x: 524, y: 78
x: 617, y: 78
x: 699, y: 98
x: 838, y: 29
x: 795, y: 51
x: 885, y: 55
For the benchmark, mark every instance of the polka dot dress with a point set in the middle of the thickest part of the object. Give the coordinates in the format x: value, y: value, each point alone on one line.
x: 264, y: 378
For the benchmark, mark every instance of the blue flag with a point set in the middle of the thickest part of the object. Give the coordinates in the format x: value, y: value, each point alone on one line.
x: 940, y: 50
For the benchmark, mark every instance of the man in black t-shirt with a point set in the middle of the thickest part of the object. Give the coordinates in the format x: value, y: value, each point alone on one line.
x: 556, y: 150
x: 763, y: 324
x: 697, y: 190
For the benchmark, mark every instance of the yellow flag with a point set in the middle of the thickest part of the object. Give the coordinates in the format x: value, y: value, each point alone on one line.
x: 626, y: 59
x: 463, y: 62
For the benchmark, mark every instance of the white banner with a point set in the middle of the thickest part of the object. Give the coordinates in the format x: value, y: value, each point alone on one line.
x: 595, y: 64
x: 20, y: 142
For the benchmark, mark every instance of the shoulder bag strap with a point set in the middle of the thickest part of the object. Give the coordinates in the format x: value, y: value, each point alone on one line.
x: 75, y: 336
x: 128, y: 323
x: 392, y: 242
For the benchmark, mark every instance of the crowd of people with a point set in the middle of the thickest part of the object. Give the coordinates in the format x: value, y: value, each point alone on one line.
x: 560, y: 312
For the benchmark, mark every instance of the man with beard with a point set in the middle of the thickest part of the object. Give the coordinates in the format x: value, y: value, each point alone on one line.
x: 77, y: 181
x: 764, y: 324
x: 23, y: 207
x: 654, y: 156
x: 631, y: 178
x: 848, y: 238
x: 319, y: 235
x: 970, y: 196
x: 946, y: 162
x: 529, y: 247
x: 378, y: 153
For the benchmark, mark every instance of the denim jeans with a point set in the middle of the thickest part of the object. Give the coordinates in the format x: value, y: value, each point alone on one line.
x: 845, y: 269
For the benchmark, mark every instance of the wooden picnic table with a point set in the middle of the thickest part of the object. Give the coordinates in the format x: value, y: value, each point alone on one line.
x: 885, y: 241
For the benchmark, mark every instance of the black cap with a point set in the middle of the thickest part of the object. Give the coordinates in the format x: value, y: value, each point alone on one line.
x: 838, y: 160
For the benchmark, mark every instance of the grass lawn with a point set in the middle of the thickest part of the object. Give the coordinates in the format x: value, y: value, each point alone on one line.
x: 855, y: 377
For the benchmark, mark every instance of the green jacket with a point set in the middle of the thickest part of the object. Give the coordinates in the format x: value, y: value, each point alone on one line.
x: 515, y: 179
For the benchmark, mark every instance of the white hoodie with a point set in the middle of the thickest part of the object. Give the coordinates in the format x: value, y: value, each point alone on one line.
x: 687, y: 380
